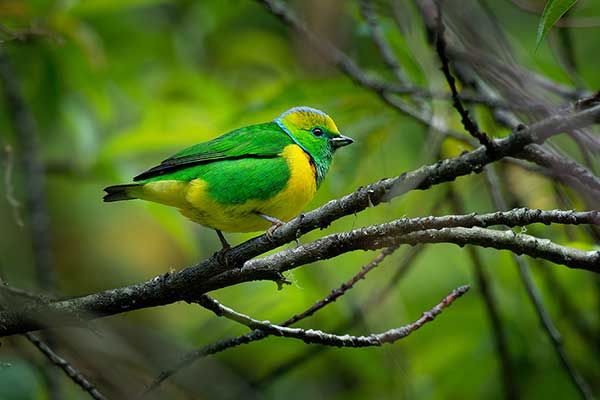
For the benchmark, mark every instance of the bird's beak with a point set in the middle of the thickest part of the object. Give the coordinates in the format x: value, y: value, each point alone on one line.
x: 340, y: 141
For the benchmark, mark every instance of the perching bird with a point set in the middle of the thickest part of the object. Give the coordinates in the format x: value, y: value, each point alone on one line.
x: 249, y: 179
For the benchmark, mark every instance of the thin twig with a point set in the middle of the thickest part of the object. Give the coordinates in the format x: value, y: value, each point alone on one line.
x: 375, y: 299
x: 328, y: 339
x: 340, y: 291
x: 469, y: 124
x: 256, y: 335
x: 74, y: 374
x: 567, y: 51
x: 472, y: 66
x: 347, y: 66
x: 565, y: 169
x: 551, y: 330
x: 52, y: 383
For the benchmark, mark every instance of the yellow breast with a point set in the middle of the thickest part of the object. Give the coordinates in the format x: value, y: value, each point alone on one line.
x: 300, y: 189
x: 194, y: 202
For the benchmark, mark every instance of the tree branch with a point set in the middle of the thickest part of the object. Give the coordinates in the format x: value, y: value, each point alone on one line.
x: 256, y: 335
x: 328, y: 339
x: 375, y: 299
x: 428, y: 230
x: 172, y: 287
x: 565, y: 169
x: 385, y: 235
x: 68, y: 369
x: 469, y: 124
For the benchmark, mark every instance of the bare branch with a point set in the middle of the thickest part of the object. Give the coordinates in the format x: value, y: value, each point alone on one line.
x: 340, y: 291
x: 384, y: 90
x: 429, y: 230
x: 565, y: 169
x: 256, y: 335
x: 375, y: 299
x: 328, y: 339
x: 74, y: 374
x: 347, y: 66
x: 469, y: 124
x: 44, y: 348
x: 551, y: 330
x: 568, y: 309
x: 385, y: 235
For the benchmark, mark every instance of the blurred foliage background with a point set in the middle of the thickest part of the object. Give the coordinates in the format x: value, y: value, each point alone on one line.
x: 116, y: 86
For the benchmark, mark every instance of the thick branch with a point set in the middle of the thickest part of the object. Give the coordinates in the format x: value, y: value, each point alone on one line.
x: 377, y: 236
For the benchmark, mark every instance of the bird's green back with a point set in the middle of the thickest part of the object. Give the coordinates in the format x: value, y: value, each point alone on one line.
x: 252, y: 142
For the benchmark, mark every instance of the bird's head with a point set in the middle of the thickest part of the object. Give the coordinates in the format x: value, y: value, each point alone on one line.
x: 316, y: 133
x: 313, y: 130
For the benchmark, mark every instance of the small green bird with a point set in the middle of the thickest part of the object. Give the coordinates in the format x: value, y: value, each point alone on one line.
x: 249, y: 179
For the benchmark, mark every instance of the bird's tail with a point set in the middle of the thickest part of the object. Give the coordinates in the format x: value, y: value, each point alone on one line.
x: 121, y: 192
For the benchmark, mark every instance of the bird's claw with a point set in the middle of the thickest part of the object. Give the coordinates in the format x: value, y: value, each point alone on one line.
x: 222, y: 255
x: 272, y: 229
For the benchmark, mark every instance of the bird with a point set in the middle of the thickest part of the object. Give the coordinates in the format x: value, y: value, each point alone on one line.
x: 251, y: 179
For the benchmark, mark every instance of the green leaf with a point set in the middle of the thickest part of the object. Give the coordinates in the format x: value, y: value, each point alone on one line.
x: 553, y: 11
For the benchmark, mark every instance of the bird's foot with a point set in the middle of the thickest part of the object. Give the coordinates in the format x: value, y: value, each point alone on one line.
x: 273, y: 228
x: 222, y: 255
x: 275, y: 224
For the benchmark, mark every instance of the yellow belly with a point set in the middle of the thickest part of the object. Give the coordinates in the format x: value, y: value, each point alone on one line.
x: 193, y: 200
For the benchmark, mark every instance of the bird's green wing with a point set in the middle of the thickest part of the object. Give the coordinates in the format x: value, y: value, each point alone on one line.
x: 256, y: 141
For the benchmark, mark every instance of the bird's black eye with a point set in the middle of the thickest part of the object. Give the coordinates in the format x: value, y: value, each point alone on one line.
x: 317, y: 132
